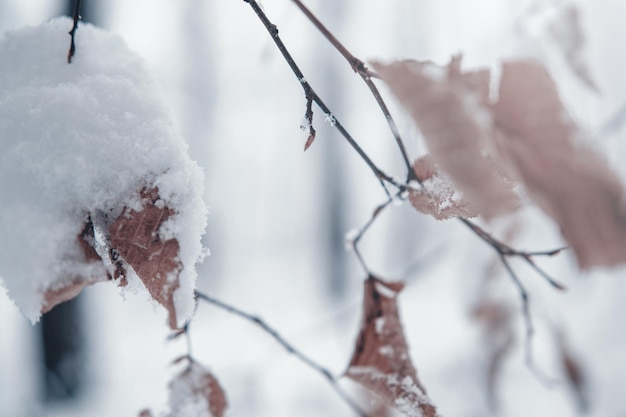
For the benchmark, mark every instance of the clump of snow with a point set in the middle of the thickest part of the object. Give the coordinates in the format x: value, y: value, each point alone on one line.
x: 81, y: 139
x: 196, y: 393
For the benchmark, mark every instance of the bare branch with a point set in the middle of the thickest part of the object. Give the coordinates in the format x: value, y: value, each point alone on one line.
x: 360, y: 68
x: 355, y: 243
x: 505, y: 250
x: 310, y: 94
x: 72, y: 33
x: 332, y: 380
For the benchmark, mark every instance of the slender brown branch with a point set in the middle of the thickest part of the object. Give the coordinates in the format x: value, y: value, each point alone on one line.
x: 72, y: 33
x: 310, y: 94
x: 332, y: 380
x: 360, y: 68
x: 355, y: 242
x: 505, y: 250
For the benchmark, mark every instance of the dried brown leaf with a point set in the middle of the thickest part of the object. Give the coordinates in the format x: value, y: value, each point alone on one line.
x: 437, y: 195
x: 449, y: 109
x: 135, y: 235
x: 310, y: 139
x: 195, y: 391
x: 381, y: 361
x: 571, y: 182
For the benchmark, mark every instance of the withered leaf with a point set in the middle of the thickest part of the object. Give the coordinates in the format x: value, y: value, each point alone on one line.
x: 571, y: 182
x: 381, y: 361
x: 449, y: 110
x: 196, y: 392
x: 437, y: 195
x: 135, y: 235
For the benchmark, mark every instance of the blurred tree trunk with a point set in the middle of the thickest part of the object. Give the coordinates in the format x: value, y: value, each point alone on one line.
x: 332, y: 14
x: 62, y: 330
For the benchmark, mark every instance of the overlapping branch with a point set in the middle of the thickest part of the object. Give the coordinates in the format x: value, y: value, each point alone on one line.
x: 290, y: 348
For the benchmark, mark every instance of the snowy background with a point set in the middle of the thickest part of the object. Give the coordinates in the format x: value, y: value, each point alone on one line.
x: 278, y: 216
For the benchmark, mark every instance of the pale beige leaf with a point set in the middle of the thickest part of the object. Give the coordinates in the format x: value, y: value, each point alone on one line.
x: 381, y: 361
x: 571, y: 182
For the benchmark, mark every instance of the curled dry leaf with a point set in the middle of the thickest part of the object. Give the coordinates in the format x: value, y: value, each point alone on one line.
x: 571, y: 182
x: 135, y: 241
x: 437, y: 195
x: 380, y: 361
x: 457, y: 129
x: 195, y: 392
x: 136, y: 236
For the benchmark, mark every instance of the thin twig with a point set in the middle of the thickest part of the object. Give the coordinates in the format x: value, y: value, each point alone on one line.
x: 355, y: 242
x: 70, y: 53
x: 505, y: 250
x: 310, y: 94
x: 360, y: 68
x: 288, y: 347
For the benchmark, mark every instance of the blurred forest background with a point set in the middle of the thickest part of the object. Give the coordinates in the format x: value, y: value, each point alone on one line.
x: 278, y: 218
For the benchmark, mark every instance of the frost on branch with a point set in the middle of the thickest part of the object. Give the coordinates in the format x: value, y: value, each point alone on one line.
x: 95, y: 179
x: 380, y: 361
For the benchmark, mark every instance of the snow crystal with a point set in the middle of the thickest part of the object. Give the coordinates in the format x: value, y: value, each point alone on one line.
x: 83, y: 138
x: 350, y: 238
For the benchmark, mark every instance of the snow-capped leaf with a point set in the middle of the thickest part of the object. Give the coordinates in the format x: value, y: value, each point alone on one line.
x: 196, y: 393
x: 80, y: 142
x: 437, y: 195
x: 449, y: 110
x: 570, y: 181
x: 380, y: 361
x: 136, y: 236
x: 567, y: 32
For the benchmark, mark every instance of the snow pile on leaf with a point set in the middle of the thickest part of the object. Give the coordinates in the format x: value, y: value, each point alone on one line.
x: 194, y: 392
x: 381, y: 361
x: 486, y: 147
x: 95, y: 179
